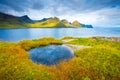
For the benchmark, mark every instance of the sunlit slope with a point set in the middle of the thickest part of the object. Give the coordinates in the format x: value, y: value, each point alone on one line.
x: 50, y: 23
x: 10, y: 21
x: 57, y: 23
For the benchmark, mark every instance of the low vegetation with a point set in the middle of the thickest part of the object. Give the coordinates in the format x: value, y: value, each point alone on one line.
x: 101, y: 62
x: 29, y: 44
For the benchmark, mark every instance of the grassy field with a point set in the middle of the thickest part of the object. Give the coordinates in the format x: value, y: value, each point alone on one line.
x: 100, y: 62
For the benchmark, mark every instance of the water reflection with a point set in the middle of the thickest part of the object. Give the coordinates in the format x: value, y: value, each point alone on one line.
x: 50, y: 55
x: 35, y: 33
x: 14, y: 34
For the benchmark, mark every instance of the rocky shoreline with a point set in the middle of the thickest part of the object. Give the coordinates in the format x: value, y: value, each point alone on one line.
x: 114, y: 39
x: 74, y: 48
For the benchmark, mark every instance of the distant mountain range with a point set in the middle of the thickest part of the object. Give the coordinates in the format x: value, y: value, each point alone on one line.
x: 10, y: 21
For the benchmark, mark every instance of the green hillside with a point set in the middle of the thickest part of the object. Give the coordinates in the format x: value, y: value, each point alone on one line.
x: 9, y: 21
x: 77, y: 24
x: 57, y: 23
x: 50, y: 23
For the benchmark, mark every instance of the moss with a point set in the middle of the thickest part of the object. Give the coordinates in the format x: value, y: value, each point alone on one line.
x: 29, y: 44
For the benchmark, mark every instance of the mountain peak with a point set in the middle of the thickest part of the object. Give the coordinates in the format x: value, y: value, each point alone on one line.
x: 56, y: 18
x: 25, y: 16
x: 26, y: 19
x: 76, y: 23
x: 65, y: 21
x: 53, y: 19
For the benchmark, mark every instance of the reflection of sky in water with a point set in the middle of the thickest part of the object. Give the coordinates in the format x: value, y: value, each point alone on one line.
x: 50, y: 55
x: 35, y: 33
x: 14, y: 34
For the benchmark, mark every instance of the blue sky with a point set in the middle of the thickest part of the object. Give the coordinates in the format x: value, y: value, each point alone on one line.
x: 96, y: 12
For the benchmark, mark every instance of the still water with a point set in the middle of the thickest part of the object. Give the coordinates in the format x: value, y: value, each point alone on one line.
x: 51, y: 55
x: 36, y: 33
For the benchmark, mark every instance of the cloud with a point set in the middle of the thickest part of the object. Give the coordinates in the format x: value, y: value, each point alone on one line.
x: 23, y: 5
x: 17, y: 5
x: 60, y: 5
x: 108, y: 16
x: 93, y: 12
x: 103, y: 17
x: 88, y: 5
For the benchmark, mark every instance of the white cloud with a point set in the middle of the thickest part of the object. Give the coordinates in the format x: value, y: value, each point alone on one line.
x: 103, y: 17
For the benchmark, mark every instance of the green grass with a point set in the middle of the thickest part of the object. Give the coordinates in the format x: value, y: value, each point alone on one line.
x: 101, y: 62
x: 29, y: 44
x: 15, y: 63
x: 93, y: 42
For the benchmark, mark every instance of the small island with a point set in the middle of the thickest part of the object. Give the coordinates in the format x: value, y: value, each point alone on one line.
x: 10, y: 21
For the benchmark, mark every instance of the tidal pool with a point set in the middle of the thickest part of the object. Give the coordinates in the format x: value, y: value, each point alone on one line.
x: 51, y: 55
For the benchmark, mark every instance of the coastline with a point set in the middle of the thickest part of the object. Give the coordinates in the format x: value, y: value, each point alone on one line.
x: 42, y: 28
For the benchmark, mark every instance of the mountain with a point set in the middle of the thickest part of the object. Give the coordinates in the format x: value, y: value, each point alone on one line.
x: 68, y: 24
x: 48, y: 23
x: 77, y: 24
x: 87, y: 26
x: 26, y: 19
x: 57, y: 23
x: 10, y: 21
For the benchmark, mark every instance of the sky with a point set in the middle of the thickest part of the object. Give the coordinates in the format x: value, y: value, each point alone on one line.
x: 104, y: 13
